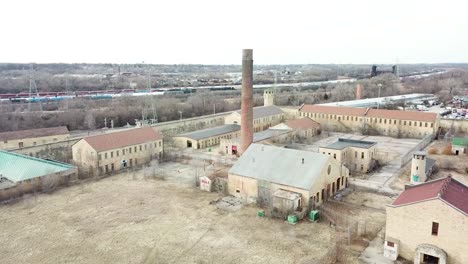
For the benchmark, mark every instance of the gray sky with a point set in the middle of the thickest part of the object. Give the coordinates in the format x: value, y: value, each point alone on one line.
x: 214, y: 32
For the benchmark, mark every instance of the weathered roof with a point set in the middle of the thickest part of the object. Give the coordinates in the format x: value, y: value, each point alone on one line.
x: 459, y: 141
x: 16, y: 167
x: 34, y: 133
x: 269, y: 133
x: 447, y: 189
x: 264, y: 111
x: 378, y: 113
x: 403, y: 115
x: 303, y: 123
x: 123, y: 138
x: 343, y: 143
x: 211, y: 132
x: 337, y: 110
x: 280, y: 165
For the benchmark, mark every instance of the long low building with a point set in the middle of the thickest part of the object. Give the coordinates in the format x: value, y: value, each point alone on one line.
x: 296, y: 179
x: 20, y: 174
x: 395, y: 123
x: 33, y: 137
x: 111, y: 152
x: 264, y: 117
x: 382, y: 101
x: 207, y: 137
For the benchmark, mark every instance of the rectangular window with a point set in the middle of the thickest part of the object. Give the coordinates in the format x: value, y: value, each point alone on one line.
x: 123, y: 151
x: 355, y: 154
x: 334, y: 155
x: 435, y: 228
x: 20, y: 144
x: 160, y: 143
x: 105, y: 157
x: 99, y: 157
x: 117, y: 153
x: 130, y: 150
x: 432, y: 125
x: 112, y: 154
x: 135, y: 149
x: 362, y: 155
x: 140, y: 148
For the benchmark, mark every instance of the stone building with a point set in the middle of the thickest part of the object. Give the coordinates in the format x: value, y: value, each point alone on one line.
x: 357, y: 155
x: 269, y: 136
x: 303, y: 127
x: 421, y: 167
x: 20, y: 174
x: 33, y: 137
x: 264, y: 173
x: 207, y: 137
x: 264, y: 117
x: 268, y: 97
x: 428, y: 223
x: 114, y: 151
x: 394, y: 123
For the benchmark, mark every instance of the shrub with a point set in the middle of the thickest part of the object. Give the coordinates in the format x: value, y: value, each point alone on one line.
x: 447, y: 150
x: 432, y: 151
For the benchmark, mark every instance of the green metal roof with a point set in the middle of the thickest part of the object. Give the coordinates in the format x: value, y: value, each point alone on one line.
x: 458, y: 141
x: 16, y: 167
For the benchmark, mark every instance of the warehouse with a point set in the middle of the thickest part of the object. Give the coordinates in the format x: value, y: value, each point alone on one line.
x: 20, y: 174
x: 33, y: 137
x: 264, y: 117
x: 119, y: 150
x: 207, y: 137
x: 264, y: 174
x: 357, y: 155
x: 232, y: 146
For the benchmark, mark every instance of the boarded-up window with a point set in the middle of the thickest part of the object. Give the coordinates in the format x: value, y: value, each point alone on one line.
x: 435, y: 228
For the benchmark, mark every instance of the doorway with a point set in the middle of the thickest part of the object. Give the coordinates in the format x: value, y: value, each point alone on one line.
x: 189, y: 144
x: 428, y: 259
x: 457, y: 152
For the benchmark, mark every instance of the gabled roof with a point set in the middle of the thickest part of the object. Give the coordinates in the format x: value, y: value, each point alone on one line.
x: 123, y: 138
x: 280, y: 165
x: 446, y: 189
x: 303, y: 123
x: 264, y: 111
x: 34, y: 133
x: 17, y: 167
x: 211, y: 132
x: 334, y: 110
x: 343, y: 143
x: 403, y: 115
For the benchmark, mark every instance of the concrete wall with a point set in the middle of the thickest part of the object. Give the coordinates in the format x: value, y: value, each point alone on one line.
x: 457, y: 126
x: 412, y: 225
x: 31, y: 142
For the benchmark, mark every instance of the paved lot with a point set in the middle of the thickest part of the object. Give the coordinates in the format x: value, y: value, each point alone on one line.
x: 127, y: 219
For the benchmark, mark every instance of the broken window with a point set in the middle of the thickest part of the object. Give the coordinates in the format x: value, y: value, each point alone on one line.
x: 435, y: 228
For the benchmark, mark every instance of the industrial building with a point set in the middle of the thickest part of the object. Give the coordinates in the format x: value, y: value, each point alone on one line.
x: 33, y: 137
x: 267, y: 175
x: 357, y: 155
x: 207, y: 137
x: 20, y: 174
x: 264, y: 117
x: 427, y: 223
x: 114, y: 151
x: 232, y: 146
x: 382, y: 101
x: 303, y: 127
x: 394, y: 123
x: 460, y: 146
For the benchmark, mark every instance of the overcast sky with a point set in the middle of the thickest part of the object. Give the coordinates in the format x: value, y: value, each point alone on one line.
x: 214, y: 32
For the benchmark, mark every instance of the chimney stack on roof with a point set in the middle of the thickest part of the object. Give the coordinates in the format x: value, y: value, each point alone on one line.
x: 247, y: 100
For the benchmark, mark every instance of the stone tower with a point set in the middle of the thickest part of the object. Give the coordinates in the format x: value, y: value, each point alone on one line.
x: 269, y: 97
x: 418, y: 168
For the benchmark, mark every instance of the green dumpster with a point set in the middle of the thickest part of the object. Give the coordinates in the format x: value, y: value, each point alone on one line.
x: 209, y: 150
x: 261, y: 213
x: 415, y: 178
x: 314, y: 215
x: 292, y: 219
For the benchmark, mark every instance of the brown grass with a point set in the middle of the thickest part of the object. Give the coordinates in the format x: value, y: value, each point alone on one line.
x: 433, y: 151
x: 447, y: 150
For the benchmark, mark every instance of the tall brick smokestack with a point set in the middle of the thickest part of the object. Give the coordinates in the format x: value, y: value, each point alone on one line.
x: 358, y: 91
x: 247, y: 100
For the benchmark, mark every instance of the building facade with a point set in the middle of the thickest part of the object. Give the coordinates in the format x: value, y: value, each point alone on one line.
x: 394, y: 123
x: 460, y: 146
x: 427, y: 222
x: 264, y: 172
x: 357, y: 155
x: 269, y: 136
x: 207, y: 137
x: 264, y: 117
x: 111, y: 152
x: 302, y: 128
x: 33, y: 137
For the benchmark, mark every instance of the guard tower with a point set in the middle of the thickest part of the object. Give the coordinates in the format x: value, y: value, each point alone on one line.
x: 418, y: 167
x: 269, y: 97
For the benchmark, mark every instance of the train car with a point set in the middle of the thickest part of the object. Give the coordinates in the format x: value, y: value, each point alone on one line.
x: 7, y: 96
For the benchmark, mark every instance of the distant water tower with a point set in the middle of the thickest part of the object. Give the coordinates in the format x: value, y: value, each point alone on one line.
x: 418, y: 167
x: 269, y: 97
